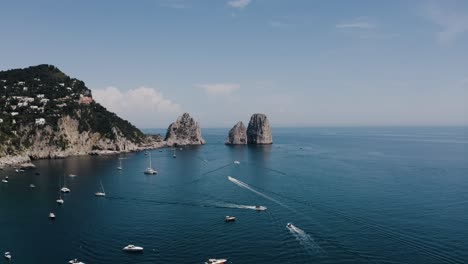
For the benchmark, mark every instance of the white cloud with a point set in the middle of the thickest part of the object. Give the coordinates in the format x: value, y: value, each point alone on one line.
x: 358, y: 23
x: 239, y: 4
x: 452, y: 24
x: 143, y: 106
x: 219, y: 88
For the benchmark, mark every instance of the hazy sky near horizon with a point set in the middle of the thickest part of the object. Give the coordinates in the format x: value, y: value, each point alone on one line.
x: 303, y: 63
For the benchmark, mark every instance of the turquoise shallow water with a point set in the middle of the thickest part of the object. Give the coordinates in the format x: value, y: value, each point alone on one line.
x: 354, y: 195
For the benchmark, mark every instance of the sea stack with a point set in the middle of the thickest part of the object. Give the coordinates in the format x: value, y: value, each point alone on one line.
x: 258, y: 131
x: 185, y: 131
x: 237, y: 135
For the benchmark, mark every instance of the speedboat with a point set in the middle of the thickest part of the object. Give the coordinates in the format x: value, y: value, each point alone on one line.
x: 260, y: 208
x: 7, y: 255
x: 5, y: 180
x: 216, y: 261
x: 237, y: 162
x: 75, y: 261
x: 52, y: 216
x: 289, y: 225
x: 229, y: 219
x: 59, y: 201
x: 65, y: 190
x: 133, y: 248
x: 32, y: 186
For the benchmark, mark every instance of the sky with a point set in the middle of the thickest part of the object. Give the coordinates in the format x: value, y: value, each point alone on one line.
x: 302, y: 63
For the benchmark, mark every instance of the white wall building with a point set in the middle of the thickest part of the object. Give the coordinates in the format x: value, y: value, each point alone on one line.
x: 40, y: 121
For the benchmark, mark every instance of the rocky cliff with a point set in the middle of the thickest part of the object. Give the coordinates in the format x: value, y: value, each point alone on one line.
x: 185, y: 131
x: 237, y: 135
x: 258, y: 131
x: 46, y: 114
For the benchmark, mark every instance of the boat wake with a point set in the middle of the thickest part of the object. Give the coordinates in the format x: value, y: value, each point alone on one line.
x: 304, y: 239
x: 248, y: 187
x: 241, y: 206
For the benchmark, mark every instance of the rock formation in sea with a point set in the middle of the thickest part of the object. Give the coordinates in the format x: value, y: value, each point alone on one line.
x: 237, y: 135
x: 185, y: 131
x: 258, y: 131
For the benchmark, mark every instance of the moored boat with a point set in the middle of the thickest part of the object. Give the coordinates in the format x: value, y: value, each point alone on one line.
x: 51, y: 216
x: 133, y: 248
x: 7, y: 255
x: 229, y: 218
x: 216, y: 261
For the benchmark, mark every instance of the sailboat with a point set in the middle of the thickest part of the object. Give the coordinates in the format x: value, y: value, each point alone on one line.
x: 64, y: 189
x: 101, y: 192
x: 120, y: 164
x: 59, y: 200
x: 150, y: 169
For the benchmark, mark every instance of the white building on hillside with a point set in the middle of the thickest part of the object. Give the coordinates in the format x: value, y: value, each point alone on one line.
x: 40, y: 121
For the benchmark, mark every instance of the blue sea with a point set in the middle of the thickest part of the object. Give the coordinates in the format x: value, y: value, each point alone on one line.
x: 352, y: 195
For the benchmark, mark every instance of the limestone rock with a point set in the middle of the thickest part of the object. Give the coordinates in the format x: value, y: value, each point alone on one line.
x: 237, y: 135
x: 258, y: 131
x: 185, y: 131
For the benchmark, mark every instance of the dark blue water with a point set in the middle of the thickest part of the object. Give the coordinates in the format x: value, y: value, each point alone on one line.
x: 354, y: 195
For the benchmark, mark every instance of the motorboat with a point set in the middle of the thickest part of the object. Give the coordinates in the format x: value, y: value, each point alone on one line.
x: 216, y: 261
x: 120, y: 164
x: 229, y: 218
x: 289, y: 225
x: 260, y: 208
x: 133, y: 248
x: 5, y: 180
x: 32, y: 186
x: 75, y: 261
x: 236, y: 162
x: 52, y: 216
x: 60, y: 200
x: 101, y: 193
x: 72, y: 175
x: 16, y: 170
x: 7, y: 255
x: 65, y: 190
x: 21, y: 170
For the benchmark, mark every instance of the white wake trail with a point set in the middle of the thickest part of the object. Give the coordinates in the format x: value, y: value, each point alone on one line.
x: 246, y: 186
x: 304, y: 239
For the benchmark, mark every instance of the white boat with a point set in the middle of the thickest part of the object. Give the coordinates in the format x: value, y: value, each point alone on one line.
x: 32, y: 186
x: 260, y: 208
x: 150, y: 170
x: 75, y: 261
x: 237, y: 162
x: 229, y: 218
x: 5, y: 180
x: 216, y: 261
x: 72, y: 175
x: 173, y: 153
x: 133, y: 248
x: 60, y: 200
x: 289, y: 225
x: 52, y: 216
x: 65, y: 190
x: 7, y: 255
x: 16, y: 170
x: 101, y: 192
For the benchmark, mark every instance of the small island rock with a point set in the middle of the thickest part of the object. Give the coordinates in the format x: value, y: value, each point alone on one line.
x: 185, y: 131
x: 237, y: 135
x: 258, y: 131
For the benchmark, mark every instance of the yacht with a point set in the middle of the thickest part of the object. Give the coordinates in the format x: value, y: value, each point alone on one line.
x: 216, y: 261
x: 260, y: 208
x: 52, y: 216
x: 236, y: 162
x: 133, y: 248
x: 101, y: 192
x: 229, y: 219
x: 150, y: 170
x: 75, y: 261
x: 7, y: 255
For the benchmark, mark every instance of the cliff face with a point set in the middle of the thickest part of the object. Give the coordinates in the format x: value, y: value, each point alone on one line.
x: 185, y: 131
x: 237, y: 135
x: 258, y: 131
x: 46, y: 114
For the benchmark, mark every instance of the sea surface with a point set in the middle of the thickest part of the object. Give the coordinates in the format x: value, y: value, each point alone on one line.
x: 353, y: 195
